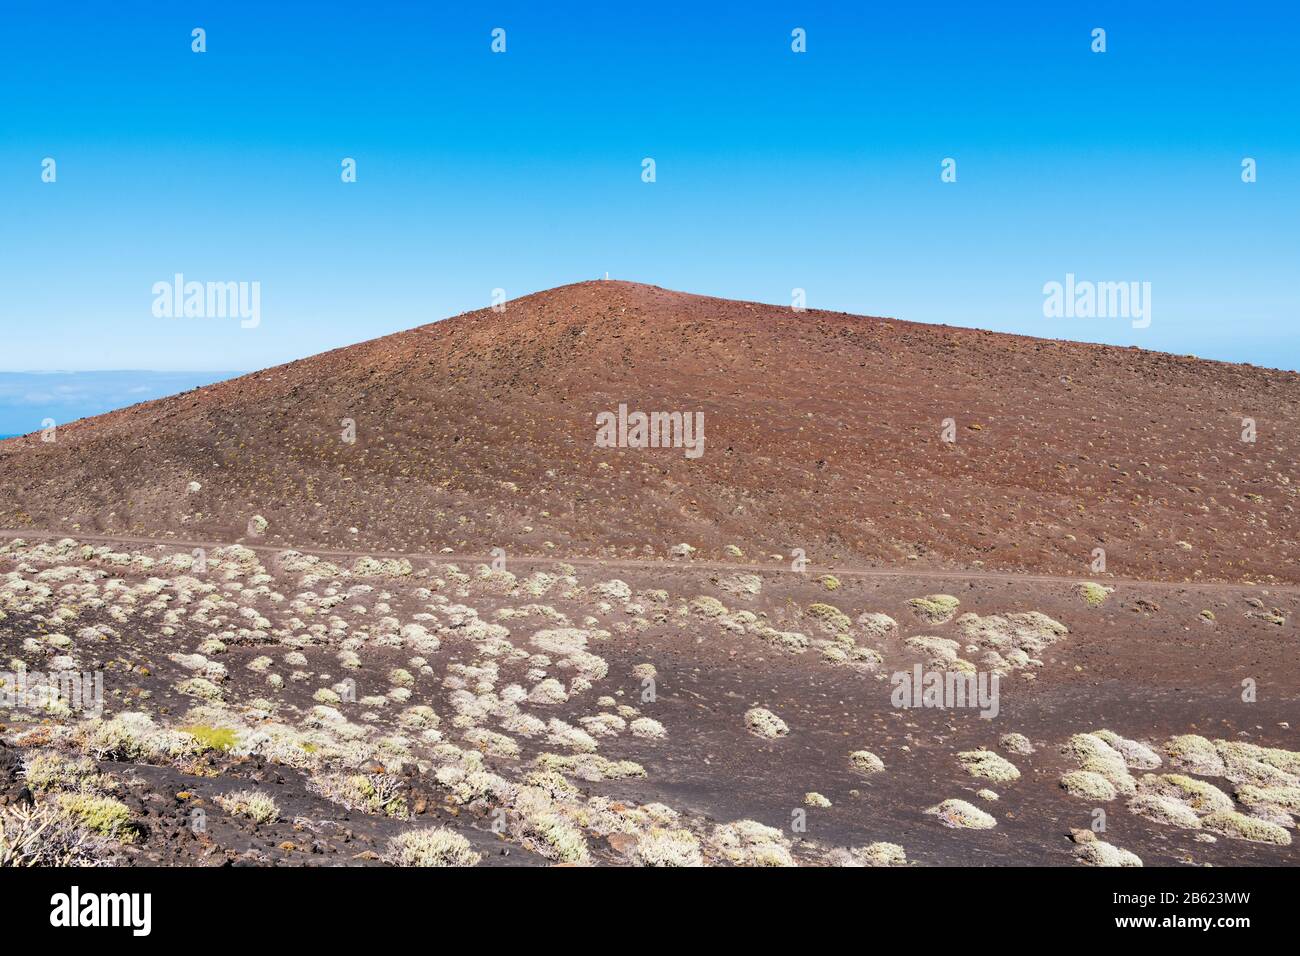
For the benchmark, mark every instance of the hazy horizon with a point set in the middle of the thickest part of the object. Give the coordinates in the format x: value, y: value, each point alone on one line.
x: 28, y: 398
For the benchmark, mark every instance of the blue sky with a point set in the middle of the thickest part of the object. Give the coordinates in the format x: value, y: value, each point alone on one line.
x: 522, y: 170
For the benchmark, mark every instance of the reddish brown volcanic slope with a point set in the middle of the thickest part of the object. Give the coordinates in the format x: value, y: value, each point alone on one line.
x: 822, y: 432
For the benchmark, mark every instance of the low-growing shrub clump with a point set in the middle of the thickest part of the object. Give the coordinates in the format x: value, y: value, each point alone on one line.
x: 874, y: 854
x: 1238, y: 826
x: 934, y: 608
x: 865, y: 762
x: 987, y: 764
x: 373, y: 793
x: 432, y: 846
x: 1092, y: 851
x: 961, y: 815
x: 1016, y: 743
x: 764, y: 723
x: 664, y: 848
x: 102, y: 815
x: 829, y: 617
x: 1088, y: 785
x: 45, y: 771
x: 46, y: 835
x: 749, y: 843
x: 213, y: 738
x: 1093, y: 594
x: 257, y: 806
x: 556, y: 838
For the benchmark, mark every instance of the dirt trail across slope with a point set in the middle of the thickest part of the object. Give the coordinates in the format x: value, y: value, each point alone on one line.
x: 1209, y: 587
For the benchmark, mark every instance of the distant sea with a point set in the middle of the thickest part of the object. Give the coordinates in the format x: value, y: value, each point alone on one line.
x: 28, y: 399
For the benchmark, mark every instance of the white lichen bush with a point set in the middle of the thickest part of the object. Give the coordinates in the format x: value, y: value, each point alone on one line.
x: 432, y: 846
x: 257, y: 806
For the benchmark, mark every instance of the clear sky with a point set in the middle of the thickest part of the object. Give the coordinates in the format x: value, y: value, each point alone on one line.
x: 522, y: 170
